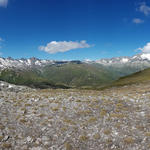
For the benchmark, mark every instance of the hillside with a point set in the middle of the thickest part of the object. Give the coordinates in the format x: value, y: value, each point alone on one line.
x: 78, y: 75
x: 138, y: 77
x: 31, y: 78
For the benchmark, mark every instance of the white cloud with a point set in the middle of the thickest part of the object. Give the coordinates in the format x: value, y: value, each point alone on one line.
x: 1, y: 39
x: 144, y: 9
x: 63, y: 46
x: 146, y: 48
x: 137, y: 20
x: 3, y: 3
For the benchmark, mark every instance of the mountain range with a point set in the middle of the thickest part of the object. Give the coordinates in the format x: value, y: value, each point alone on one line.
x: 39, y: 73
x: 22, y: 63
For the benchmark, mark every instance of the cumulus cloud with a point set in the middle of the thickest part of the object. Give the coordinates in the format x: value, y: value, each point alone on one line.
x: 137, y: 20
x: 3, y: 3
x: 144, y: 9
x: 146, y: 48
x: 63, y: 46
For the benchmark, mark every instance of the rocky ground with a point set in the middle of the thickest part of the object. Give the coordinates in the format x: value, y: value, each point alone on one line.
x: 112, y: 119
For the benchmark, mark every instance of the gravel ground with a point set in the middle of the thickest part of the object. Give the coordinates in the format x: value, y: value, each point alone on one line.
x: 112, y: 119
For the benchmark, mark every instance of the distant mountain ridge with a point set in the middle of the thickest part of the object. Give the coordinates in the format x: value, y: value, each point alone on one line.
x: 139, y: 58
x: 35, y: 62
x: 22, y: 63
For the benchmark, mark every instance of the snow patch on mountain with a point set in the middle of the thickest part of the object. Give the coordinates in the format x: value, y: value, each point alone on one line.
x: 124, y: 60
x: 145, y: 56
x: 23, y: 63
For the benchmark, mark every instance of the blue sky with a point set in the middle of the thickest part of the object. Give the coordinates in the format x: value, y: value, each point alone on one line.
x: 74, y: 29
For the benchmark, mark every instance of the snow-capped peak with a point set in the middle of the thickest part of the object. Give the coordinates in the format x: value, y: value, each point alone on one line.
x: 145, y: 56
x: 124, y: 60
x: 22, y: 63
x: 139, y: 58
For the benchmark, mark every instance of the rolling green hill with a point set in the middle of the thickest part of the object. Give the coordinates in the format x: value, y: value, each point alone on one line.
x: 78, y: 75
x: 138, y: 77
x: 31, y: 78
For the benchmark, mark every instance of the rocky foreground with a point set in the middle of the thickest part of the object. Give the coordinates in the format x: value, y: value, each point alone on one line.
x: 112, y: 119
